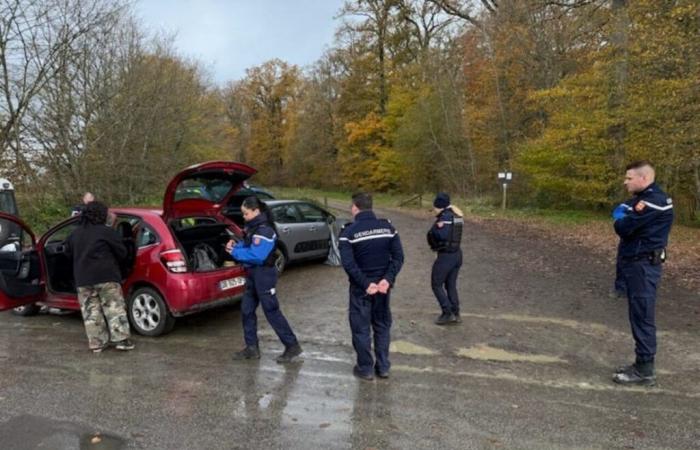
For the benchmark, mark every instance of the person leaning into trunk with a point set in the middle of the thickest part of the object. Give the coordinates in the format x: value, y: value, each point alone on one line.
x: 372, y: 256
x: 643, y: 224
x: 257, y: 253
x: 97, y: 251
x: 444, y: 237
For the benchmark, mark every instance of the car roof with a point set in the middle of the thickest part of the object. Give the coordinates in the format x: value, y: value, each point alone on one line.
x: 282, y: 202
x: 138, y: 211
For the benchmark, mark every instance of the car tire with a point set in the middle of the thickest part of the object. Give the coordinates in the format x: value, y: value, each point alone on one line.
x: 31, y: 309
x: 148, y: 313
x: 280, y: 260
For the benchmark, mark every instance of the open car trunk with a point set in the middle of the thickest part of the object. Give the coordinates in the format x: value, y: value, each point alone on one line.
x: 203, y: 240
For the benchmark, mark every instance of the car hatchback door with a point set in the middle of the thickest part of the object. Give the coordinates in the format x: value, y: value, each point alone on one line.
x: 21, y: 276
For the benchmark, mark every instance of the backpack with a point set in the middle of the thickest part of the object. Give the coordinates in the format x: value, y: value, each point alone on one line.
x: 203, y: 258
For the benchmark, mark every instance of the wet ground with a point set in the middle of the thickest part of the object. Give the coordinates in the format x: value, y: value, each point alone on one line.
x: 530, y: 367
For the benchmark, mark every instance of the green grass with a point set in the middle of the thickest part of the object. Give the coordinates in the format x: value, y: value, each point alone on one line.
x: 481, y: 206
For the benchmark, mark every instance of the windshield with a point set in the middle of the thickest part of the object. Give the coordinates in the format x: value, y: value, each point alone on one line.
x: 7, y: 202
x: 204, y: 188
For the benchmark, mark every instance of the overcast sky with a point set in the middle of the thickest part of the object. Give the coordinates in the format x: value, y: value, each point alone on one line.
x: 229, y: 36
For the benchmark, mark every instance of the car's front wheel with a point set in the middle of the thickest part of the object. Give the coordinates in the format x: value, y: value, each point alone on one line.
x: 31, y: 309
x: 148, y: 313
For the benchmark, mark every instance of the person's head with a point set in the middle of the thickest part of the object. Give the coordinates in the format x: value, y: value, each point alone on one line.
x: 361, y: 201
x: 252, y: 207
x: 442, y: 201
x: 95, y: 213
x: 639, y: 176
x: 88, y: 197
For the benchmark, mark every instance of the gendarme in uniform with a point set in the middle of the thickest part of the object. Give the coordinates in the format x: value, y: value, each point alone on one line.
x: 643, y: 227
x: 370, y: 250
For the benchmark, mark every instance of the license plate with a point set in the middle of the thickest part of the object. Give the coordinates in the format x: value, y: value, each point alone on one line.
x: 231, y: 283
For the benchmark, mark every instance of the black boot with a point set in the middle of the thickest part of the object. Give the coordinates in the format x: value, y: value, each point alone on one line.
x: 250, y: 352
x: 640, y: 373
x: 361, y: 375
x: 623, y: 369
x: 456, y: 318
x: 289, y: 353
x: 444, y: 319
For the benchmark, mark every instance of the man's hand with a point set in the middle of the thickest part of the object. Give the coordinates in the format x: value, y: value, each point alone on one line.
x: 372, y: 289
x: 383, y: 286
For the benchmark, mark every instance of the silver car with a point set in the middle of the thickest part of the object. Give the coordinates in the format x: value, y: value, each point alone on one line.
x: 304, y: 231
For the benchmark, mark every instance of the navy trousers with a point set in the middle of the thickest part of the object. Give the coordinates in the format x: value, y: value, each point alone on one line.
x: 443, y: 280
x: 260, y: 289
x: 641, y: 279
x: 370, y: 311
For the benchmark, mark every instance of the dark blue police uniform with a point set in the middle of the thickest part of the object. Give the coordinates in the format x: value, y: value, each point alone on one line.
x: 370, y: 250
x: 445, y: 237
x: 643, y: 231
x: 255, y: 252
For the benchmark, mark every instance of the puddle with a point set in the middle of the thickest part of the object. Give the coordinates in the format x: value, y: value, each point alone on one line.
x: 265, y: 400
x: 407, y: 348
x: 32, y: 432
x: 484, y: 352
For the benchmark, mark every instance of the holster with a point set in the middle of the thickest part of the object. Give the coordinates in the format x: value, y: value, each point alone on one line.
x: 658, y: 256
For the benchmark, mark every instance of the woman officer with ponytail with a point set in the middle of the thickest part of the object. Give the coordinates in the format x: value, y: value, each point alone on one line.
x: 445, y: 237
x: 256, y: 253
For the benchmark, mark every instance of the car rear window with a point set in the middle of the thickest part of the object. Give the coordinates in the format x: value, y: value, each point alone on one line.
x: 204, y: 188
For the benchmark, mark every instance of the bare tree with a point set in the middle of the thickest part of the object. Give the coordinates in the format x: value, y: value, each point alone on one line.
x: 34, y: 36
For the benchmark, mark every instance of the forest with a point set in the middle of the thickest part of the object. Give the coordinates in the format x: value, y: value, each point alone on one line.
x: 413, y: 96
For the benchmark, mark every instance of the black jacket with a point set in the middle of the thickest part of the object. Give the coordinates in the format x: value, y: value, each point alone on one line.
x: 97, y: 252
x: 370, y: 249
x: 647, y: 225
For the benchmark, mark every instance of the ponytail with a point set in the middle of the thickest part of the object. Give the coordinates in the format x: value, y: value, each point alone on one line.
x: 253, y: 202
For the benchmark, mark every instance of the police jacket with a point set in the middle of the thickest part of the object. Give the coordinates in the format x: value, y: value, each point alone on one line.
x: 370, y: 250
x: 97, y: 252
x: 647, y: 225
x: 258, y: 245
x: 446, y: 233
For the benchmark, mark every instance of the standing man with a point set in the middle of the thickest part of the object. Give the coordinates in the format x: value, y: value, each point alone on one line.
x: 87, y: 198
x: 643, y: 232
x: 97, y: 252
x: 371, y: 253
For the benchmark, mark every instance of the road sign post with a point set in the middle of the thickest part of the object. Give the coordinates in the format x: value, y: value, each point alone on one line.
x: 505, y: 178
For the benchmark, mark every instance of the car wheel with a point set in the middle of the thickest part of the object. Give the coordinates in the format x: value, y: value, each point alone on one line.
x: 31, y: 309
x: 148, y: 313
x: 280, y: 260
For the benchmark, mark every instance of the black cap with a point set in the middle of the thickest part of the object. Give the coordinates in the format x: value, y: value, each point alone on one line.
x: 442, y: 200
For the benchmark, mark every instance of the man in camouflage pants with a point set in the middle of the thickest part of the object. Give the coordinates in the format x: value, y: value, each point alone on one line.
x: 104, y: 314
x: 98, y: 252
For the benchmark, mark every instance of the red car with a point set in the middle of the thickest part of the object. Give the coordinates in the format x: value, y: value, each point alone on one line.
x: 181, y: 266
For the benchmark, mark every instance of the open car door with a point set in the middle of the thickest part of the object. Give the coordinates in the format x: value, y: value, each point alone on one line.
x: 21, y: 279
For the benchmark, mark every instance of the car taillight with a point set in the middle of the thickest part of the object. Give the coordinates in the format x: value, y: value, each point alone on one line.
x: 174, y: 261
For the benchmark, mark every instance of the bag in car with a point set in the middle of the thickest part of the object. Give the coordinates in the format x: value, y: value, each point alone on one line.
x: 203, y: 258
